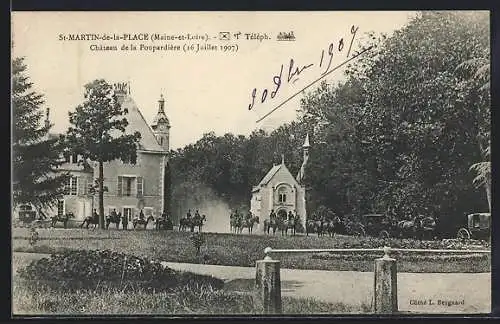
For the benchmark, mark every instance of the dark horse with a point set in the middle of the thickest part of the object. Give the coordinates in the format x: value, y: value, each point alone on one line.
x: 164, y: 223
x: 270, y: 223
x: 115, y: 219
x: 332, y: 226
x: 90, y: 220
x: 62, y: 218
x: 198, y: 221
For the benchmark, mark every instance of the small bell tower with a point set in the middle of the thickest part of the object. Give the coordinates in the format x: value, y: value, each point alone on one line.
x: 161, y: 126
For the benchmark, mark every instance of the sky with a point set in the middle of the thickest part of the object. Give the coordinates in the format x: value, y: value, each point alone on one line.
x: 204, y: 91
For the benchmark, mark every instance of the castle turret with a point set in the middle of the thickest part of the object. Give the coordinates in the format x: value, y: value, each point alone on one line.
x: 161, y: 125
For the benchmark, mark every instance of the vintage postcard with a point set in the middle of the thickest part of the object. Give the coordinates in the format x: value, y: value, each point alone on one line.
x: 251, y: 163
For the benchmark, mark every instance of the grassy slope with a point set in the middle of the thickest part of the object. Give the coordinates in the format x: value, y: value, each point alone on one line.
x: 243, y: 250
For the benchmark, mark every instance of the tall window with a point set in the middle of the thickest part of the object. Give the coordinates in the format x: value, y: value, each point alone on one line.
x: 71, y: 187
x: 60, y: 208
x: 129, y: 186
x: 282, y: 191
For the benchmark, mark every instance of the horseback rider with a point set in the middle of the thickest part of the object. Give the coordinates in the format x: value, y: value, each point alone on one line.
x: 141, y: 215
x: 197, y: 215
x: 290, y: 216
x: 188, y: 215
x: 249, y: 215
x: 272, y: 215
x: 95, y: 215
x: 113, y: 214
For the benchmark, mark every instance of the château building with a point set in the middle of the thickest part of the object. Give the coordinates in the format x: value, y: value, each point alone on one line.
x: 131, y: 187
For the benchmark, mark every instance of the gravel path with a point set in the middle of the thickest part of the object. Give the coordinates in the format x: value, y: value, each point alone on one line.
x: 356, y: 288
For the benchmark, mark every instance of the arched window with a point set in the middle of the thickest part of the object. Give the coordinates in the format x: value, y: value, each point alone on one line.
x: 282, y: 191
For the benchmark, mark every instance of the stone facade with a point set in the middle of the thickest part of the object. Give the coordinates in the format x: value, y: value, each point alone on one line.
x: 131, y: 187
x: 281, y: 192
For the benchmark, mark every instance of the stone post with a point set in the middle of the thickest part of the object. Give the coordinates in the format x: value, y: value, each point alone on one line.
x: 268, y: 284
x: 385, y: 295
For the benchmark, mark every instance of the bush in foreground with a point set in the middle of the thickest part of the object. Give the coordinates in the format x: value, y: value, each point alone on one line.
x: 91, y: 269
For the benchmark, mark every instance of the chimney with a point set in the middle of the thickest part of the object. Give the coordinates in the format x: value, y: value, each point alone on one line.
x: 121, y: 90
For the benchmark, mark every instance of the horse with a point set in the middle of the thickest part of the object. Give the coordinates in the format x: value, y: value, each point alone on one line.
x: 291, y: 224
x: 427, y: 227
x: 249, y: 223
x: 184, y: 223
x: 408, y: 228
x: 115, y: 219
x: 139, y: 221
x: 331, y: 226
x: 283, y: 225
x: 61, y: 218
x: 315, y: 226
x: 90, y: 220
x: 235, y: 224
x: 198, y: 222
x: 164, y: 223
x: 270, y: 223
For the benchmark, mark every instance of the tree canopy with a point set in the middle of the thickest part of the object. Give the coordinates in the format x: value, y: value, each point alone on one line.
x: 36, y: 155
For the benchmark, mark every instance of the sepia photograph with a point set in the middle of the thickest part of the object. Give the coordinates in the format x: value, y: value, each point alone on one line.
x: 250, y: 163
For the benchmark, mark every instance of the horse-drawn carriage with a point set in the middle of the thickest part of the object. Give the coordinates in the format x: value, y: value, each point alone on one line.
x: 28, y: 216
x: 478, y: 227
x: 377, y: 225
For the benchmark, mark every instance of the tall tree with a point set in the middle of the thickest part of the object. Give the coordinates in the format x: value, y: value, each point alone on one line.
x: 412, y: 123
x: 36, y: 155
x: 97, y: 132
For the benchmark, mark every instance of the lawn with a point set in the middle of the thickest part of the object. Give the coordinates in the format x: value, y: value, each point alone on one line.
x: 244, y: 250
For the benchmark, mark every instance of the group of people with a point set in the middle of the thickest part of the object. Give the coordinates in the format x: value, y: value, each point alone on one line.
x: 288, y: 217
x: 196, y: 215
x: 239, y: 216
x: 117, y: 217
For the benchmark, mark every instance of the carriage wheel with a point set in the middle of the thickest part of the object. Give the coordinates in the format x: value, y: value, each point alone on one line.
x: 383, y: 234
x: 463, y: 234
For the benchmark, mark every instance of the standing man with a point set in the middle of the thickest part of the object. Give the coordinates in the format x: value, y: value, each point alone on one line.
x: 124, y: 221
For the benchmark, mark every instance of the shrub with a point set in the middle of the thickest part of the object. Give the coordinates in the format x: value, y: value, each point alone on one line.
x: 91, y: 269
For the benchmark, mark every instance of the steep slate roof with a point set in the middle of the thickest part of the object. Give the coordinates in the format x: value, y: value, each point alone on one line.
x: 137, y: 122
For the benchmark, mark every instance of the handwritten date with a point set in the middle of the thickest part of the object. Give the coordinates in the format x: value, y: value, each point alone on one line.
x: 294, y: 70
